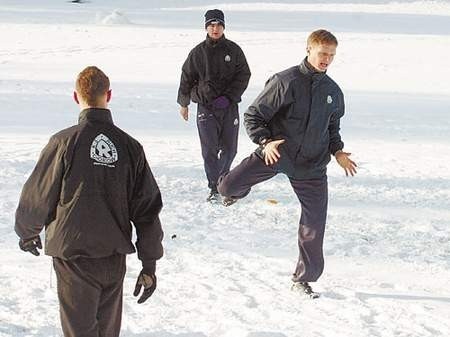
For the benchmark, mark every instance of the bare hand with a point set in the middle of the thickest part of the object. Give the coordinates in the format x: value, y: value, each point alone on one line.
x: 184, y: 112
x: 346, y: 163
x: 271, y: 153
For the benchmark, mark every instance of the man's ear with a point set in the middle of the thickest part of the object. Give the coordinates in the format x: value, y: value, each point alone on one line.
x: 75, y: 97
x: 108, y: 95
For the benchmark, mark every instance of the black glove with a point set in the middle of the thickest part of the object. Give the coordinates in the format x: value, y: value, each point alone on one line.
x: 31, y: 245
x: 149, y: 283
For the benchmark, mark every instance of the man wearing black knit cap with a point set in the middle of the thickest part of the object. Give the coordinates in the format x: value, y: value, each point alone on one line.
x: 215, y: 75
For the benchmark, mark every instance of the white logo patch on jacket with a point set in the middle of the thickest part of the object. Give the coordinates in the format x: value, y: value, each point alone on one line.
x: 103, y: 151
x: 227, y: 58
x: 329, y: 99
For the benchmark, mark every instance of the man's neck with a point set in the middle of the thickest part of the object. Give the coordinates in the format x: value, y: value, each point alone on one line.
x: 96, y: 106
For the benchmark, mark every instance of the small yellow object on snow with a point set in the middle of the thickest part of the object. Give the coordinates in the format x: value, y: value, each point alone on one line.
x: 272, y: 201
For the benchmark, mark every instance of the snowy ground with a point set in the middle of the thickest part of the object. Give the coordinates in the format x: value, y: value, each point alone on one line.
x: 226, y: 273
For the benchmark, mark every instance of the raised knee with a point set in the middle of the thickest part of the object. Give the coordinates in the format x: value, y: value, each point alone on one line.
x: 223, y: 187
x: 227, y: 185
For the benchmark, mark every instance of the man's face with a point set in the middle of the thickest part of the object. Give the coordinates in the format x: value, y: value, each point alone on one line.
x: 320, y: 56
x: 215, y: 31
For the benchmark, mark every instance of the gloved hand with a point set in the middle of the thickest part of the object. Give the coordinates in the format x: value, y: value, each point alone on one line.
x: 31, y: 245
x: 221, y: 102
x: 149, y: 283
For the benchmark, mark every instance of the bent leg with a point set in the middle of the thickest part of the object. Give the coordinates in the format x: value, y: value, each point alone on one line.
x: 238, y: 182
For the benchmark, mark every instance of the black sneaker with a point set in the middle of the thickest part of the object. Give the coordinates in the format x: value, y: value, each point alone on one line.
x: 228, y: 201
x: 304, y: 288
x: 213, y: 197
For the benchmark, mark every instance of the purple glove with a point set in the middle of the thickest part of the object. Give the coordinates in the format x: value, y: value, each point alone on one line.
x: 221, y: 102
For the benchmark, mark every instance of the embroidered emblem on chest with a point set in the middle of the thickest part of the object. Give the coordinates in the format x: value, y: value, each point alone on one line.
x: 329, y: 99
x: 227, y: 58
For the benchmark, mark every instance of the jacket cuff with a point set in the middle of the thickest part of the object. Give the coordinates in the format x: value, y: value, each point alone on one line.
x: 263, y: 140
x: 184, y: 100
x: 149, y: 267
x: 336, y: 147
x: 333, y: 152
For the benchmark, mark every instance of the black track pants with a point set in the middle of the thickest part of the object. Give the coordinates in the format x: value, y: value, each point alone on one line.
x: 218, y: 130
x: 90, y: 295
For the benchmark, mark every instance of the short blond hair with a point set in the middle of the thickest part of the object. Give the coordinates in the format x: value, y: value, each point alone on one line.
x: 321, y: 36
x: 91, y: 84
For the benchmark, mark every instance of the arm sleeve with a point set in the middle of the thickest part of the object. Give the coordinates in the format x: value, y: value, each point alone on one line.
x: 41, y: 192
x: 145, y: 205
x: 336, y: 143
x: 274, y: 96
x: 240, y: 79
x: 188, y: 80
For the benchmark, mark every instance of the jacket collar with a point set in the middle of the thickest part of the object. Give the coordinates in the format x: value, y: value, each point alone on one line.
x: 307, y: 69
x: 95, y: 114
x: 212, y: 43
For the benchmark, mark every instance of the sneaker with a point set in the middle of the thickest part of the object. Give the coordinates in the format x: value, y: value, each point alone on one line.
x: 304, y: 288
x: 228, y: 201
x: 213, y: 196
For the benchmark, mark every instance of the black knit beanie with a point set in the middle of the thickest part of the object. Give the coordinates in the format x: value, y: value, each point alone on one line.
x: 214, y: 16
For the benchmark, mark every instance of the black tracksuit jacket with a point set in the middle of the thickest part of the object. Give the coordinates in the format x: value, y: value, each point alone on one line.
x: 213, y: 69
x: 303, y: 107
x: 91, y: 182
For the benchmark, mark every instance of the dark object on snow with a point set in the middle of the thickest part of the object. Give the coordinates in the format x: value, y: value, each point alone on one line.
x: 174, y: 236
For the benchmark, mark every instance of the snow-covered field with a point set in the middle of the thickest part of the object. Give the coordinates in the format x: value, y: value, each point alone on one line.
x: 227, y: 271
